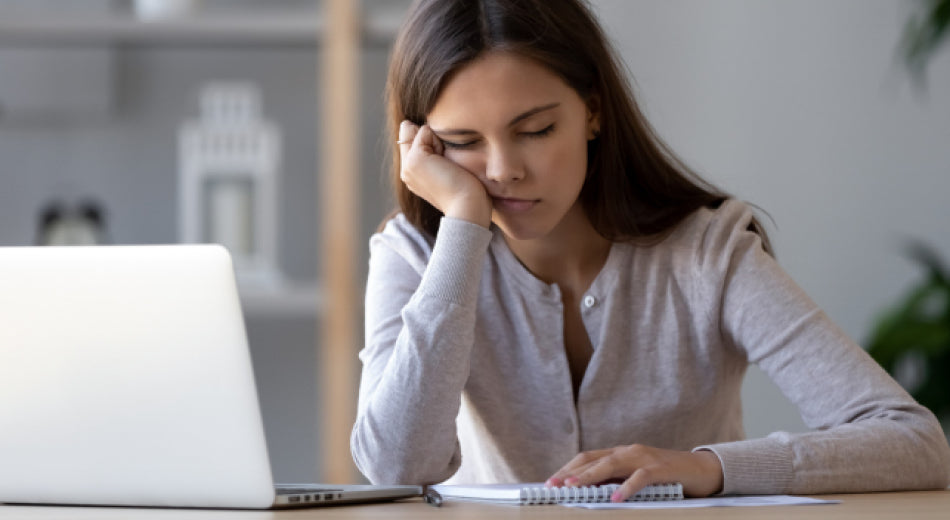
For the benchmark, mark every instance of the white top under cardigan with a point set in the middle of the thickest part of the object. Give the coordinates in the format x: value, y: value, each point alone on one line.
x: 465, y: 376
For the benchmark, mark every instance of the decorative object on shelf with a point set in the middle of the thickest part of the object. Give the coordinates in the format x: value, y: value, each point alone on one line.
x: 912, y: 340
x: 228, y: 167
x: 61, y: 224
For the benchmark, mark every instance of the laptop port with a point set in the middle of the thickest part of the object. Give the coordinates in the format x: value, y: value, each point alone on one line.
x: 293, y: 499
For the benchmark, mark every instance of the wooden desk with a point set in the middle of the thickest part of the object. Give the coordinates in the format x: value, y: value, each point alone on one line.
x: 918, y: 505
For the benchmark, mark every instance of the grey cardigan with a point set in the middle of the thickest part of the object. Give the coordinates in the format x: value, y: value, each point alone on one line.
x: 465, y: 376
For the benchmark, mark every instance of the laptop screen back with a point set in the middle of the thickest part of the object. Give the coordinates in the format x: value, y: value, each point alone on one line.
x: 125, y: 379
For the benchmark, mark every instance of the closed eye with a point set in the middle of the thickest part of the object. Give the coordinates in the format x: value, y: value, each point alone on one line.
x: 459, y: 146
x: 469, y: 144
x: 540, y: 133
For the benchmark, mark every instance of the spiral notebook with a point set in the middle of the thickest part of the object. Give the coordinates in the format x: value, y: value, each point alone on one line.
x: 536, y: 494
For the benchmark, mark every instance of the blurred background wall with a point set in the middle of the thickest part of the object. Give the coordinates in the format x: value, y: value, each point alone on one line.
x: 803, y: 107
x: 799, y: 106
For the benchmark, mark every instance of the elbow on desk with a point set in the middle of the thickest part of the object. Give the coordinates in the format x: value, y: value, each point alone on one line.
x: 395, y: 465
x: 942, y: 478
x: 925, y: 460
x: 935, y: 455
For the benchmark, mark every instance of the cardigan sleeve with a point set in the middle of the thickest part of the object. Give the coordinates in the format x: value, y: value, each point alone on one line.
x: 420, y: 320
x: 868, y: 433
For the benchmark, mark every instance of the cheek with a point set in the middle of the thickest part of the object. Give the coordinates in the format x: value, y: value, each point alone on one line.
x: 567, y: 161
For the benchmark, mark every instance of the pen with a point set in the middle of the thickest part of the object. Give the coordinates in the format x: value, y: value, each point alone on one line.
x: 431, y: 496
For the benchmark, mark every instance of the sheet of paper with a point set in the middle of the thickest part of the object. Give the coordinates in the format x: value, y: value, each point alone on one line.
x: 758, y: 500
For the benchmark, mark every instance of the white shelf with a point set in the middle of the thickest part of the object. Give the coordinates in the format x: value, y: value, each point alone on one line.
x: 278, y: 27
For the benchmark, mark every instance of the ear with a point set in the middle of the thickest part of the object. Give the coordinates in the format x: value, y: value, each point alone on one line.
x: 593, y: 117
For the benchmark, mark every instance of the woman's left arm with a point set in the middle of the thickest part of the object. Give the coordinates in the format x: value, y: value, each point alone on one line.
x: 869, y: 434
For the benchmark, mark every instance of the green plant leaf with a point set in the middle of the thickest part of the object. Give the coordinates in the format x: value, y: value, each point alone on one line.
x: 919, y: 324
x: 923, y: 34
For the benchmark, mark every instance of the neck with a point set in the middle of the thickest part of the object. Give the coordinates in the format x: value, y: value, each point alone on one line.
x: 571, y: 255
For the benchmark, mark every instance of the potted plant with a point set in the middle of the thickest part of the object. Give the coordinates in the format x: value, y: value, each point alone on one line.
x: 912, y: 339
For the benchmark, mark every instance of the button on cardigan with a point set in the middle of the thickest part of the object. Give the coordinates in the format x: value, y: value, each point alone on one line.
x: 465, y: 377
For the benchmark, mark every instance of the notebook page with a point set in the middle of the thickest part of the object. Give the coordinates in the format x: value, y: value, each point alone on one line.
x: 740, y: 501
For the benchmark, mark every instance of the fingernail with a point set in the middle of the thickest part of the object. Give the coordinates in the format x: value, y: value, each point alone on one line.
x: 554, y: 482
x: 616, y: 497
x: 570, y: 481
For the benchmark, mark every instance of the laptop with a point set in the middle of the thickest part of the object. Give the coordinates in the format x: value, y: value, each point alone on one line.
x: 126, y: 380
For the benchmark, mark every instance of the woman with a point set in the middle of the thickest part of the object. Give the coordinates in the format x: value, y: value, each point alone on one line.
x: 560, y: 299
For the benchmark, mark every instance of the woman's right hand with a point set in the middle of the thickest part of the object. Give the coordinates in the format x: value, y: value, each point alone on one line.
x: 425, y: 170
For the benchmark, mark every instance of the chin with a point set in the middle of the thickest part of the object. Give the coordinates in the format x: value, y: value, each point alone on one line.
x: 521, y: 230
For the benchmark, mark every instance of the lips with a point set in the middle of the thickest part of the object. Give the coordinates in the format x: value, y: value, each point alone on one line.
x: 513, y: 205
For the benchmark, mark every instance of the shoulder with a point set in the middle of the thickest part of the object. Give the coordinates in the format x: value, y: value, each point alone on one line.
x: 399, y: 237
x: 712, y: 237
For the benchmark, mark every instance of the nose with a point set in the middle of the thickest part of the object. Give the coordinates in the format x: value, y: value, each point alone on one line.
x: 504, y: 165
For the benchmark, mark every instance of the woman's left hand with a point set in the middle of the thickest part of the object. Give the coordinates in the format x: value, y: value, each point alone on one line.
x: 638, y: 466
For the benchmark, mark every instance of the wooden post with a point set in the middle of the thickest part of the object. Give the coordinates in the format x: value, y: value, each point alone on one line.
x: 339, y: 219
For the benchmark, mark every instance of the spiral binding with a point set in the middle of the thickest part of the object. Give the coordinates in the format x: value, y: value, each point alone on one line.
x: 587, y: 494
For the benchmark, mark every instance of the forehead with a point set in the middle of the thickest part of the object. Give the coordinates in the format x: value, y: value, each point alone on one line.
x: 499, y: 86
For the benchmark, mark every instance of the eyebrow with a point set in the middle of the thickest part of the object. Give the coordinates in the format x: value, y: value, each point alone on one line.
x: 514, y: 121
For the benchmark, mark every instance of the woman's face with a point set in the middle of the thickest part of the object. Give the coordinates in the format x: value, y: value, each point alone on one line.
x: 523, y: 133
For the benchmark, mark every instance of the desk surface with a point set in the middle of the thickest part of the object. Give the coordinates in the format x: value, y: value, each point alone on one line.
x: 919, y: 505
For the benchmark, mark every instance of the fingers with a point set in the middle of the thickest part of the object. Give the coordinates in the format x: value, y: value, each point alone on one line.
x: 414, y: 139
x: 407, y: 132
x: 427, y: 141
x: 640, y: 479
x: 415, y: 144
x: 619, y: 463
x: 638, y: 466
x: 578, y: 464
x: 408, y: 136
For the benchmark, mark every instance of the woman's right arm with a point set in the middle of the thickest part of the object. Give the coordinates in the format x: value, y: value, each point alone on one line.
x: 419, y: 335
x: 420, y: 323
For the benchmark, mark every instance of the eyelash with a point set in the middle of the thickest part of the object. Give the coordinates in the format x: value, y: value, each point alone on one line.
x: 541, y: 133
x: 530, y: 135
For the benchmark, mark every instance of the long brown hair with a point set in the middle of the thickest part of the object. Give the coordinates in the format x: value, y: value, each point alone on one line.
x: 636, y: 188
